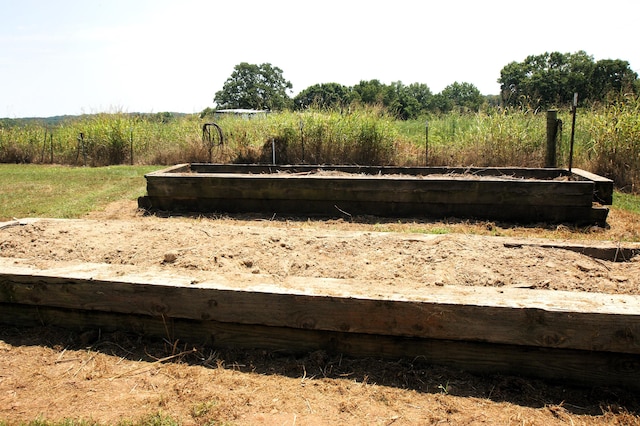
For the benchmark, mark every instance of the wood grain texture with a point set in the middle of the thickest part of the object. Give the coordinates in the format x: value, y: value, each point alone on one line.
x: 552, y: 319
x: 527, y: 195
x: 588, y: 368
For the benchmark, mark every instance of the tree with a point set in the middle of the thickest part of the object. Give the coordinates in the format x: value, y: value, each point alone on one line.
x: 553, y: 78
x: 613, y: 76
x: 325, y: 95
x: 465, y: 96
x: 254, y: 87
x: 370, y: 92
x: 547, y: 79
x: 407, y: 102
x: 422, y: 94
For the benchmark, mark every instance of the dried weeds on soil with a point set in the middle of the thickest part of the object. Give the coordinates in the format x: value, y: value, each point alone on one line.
x: 54, y: 374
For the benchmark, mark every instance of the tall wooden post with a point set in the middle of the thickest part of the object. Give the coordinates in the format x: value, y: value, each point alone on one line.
x: 552, y: 136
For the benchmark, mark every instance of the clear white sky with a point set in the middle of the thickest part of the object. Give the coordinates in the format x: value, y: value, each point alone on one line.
x: 85, y: 56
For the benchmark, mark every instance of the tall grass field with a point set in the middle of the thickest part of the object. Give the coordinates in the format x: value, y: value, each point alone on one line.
x: 606, y: 139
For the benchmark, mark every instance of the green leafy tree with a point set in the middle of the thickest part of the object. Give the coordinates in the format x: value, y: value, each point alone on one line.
x: 325, y: 95
x: 370, y: 92
x: 255, y: 87
x: 465, y: 96
x: 395, y: 99
x: 408, y: 102
x: 542, y: 79
x: 422, y: 94
x: 553, y: 78
x: 613, y: 77
x: 440, y: 103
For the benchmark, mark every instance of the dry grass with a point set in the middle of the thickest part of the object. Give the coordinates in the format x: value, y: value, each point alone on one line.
x: 119, y: 379
x: 622, y: 226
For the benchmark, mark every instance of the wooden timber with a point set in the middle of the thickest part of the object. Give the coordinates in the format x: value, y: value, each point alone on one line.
x: 603, y: 187
x: 582, y: 337
x: 587, y: 368
x: 510, y: 194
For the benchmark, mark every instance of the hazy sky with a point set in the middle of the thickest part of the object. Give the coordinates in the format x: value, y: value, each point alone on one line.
x: 85, y: 56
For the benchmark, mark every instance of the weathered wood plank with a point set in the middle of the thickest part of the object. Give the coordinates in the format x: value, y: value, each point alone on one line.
x: 598, y: 250
x: 373, y: 189
x: 503, y: 212
x: 577, y: 367
x: 500, y: 193
x: 603, y: 187
x: 553, y: 319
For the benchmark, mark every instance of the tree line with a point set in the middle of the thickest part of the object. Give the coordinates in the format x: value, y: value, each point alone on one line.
x: 553, y: 78
x: 545, y: 80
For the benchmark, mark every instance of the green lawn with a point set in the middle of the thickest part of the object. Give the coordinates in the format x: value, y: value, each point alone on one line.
x: 66, y: 192
x: 627, y: 202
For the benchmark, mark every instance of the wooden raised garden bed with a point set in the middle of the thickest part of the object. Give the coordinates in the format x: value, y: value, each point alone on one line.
x: 507, y: 194
x: 584, y: 338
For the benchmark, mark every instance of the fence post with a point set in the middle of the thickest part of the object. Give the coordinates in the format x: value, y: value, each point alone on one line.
x: 552, y: 136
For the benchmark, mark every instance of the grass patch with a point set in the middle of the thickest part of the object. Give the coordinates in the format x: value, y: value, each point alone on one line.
x: 66, y: 192
x: 627, y: 202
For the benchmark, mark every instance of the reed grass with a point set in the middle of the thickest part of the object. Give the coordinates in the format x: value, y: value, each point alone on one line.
x: 508, y: 137
x: 607, y: 139
x: 612, y: 142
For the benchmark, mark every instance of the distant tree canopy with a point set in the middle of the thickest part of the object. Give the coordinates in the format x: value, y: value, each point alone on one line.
x: 543, y: 80
x: 408, y: 102
x: 258, y: 87
x: 464, y: 96
x: 552, y: 79
x: 254, y: 87
x: 325, y: 95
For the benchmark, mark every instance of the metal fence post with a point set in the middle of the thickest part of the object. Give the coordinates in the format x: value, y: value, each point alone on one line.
x: 552, y: 136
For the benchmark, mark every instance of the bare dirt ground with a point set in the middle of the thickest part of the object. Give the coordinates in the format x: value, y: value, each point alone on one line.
x: 54, y: 374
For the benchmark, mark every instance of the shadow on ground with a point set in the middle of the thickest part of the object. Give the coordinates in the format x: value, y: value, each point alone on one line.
x: 413, y: 374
